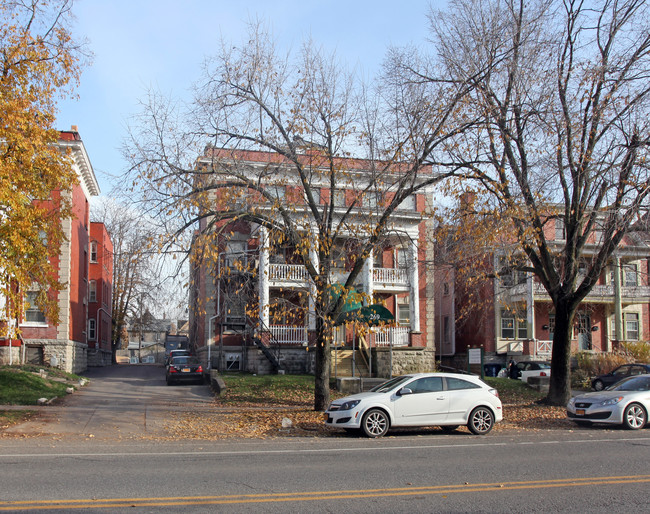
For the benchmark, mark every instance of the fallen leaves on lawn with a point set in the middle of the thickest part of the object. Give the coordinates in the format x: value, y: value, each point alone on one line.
x: 258, y: 423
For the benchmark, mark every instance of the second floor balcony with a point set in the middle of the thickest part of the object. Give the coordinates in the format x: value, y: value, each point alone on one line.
x: 604, y: 293
x: 295, y: 275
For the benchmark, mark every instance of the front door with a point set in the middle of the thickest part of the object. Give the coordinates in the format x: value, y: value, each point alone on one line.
x: 584, y: 332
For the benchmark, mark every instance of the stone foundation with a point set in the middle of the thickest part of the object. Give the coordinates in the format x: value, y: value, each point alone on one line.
x: 99, y: 358
x: 67, y: 355
x: 299, y: 361
x: 403, y: 361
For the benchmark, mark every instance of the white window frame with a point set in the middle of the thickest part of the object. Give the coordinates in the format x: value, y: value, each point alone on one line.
x: 34, y: 309
x: 92, y: 329
x: 92, y: 291
x: 93, y: 251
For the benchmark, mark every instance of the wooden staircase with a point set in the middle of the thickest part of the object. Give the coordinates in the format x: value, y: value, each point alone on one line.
x: 342, y: 362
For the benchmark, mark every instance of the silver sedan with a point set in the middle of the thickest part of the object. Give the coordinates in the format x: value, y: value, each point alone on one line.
x: 625, y: 403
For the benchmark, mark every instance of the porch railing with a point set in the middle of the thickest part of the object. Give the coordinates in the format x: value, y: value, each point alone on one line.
x: 288, y: 273
x: 543, y: 348
x: 389, y: 275
x: 398, y: 335
x: 289, y: 334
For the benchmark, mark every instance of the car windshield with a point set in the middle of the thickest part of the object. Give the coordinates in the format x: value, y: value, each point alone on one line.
x: 390, y: 384
x: 183, y: 360
x: 638, y: 383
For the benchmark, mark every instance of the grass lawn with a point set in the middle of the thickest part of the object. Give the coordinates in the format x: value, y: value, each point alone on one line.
x: 269, y: 390
x: 22, y: 385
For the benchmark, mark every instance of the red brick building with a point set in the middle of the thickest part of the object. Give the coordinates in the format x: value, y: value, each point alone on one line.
x: 64, y: 345
x: 513, y: 316
x: 253, y: 273
x: 100, y: 289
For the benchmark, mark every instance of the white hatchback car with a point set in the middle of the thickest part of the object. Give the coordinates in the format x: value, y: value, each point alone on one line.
x: 447, y: 400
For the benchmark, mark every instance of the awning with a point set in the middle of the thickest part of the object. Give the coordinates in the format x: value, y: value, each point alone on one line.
x: 372, y: 315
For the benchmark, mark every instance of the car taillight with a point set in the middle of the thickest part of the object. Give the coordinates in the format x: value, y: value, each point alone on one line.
x: 172, y: 369
x: 542, y: 374
x: 200, y: 370
x: 494, y: 392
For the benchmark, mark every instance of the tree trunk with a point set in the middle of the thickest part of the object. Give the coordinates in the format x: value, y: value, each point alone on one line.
x: 560, y: 383
x: 322, y: 367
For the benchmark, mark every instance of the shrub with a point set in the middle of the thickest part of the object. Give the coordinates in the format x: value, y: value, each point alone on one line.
x: 593, y: 364
x: 636, y: 351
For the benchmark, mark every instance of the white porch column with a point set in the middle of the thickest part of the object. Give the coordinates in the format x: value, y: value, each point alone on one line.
x: 313, y: 256
x: 263, y: 278
x: 414, y: 303
x: 530, y: 306
x: 367, y: 281
x: 618, y: 305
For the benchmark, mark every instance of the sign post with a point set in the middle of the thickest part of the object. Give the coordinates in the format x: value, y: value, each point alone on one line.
x: 474, y: 357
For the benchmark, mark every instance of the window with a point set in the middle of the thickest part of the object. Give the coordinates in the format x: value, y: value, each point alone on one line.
x: 551, y: 326
x: 276, y: 191
x: 33, y: 314
x: 92, y: 335
x: 408, y: 204
x: 631, y: 322
x: 93, y: 251
x: 402, y: 261
x: 508, y: 275
x: 426, y: 385
x: 403, y: 314
x: 374, y: 199
x: 378, y: 258
x: 513, y: 325
x: 445, y: 289
x: 454, y: 384
x: 507, y: 325
x: 339, y: 198
x: 560, y: 229
x: 630, y: 275
x: 92, y: 291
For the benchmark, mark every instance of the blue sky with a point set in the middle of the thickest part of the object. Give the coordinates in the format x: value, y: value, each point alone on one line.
x: 143, y: 44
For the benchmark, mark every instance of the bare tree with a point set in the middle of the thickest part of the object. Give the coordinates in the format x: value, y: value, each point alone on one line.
x: 311, y: 115
x: 561, y: 91
x: 139, y: 270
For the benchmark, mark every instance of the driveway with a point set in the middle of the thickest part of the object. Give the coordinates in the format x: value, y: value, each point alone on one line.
x: 121, y: 401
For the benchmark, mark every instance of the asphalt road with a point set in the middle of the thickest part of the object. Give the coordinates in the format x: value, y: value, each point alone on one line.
x: 582, y: 470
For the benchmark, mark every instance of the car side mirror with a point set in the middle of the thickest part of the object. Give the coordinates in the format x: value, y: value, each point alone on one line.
x: 403, y: 391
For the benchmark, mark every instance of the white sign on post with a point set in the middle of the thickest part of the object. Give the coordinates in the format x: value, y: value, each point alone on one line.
x: 474, y: 355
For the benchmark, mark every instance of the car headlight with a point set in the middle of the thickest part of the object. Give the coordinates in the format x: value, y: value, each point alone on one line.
x: 612, y: 401
x: 350, y: 405
x: 572, y: 402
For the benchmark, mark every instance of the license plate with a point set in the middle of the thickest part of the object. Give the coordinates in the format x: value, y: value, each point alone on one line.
x: 186, y: 370
x: 580, y: 412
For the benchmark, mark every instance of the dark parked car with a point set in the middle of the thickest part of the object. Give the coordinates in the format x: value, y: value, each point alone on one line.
x: 176, y: 353
x: 626, y: 370
x: 184, y: 368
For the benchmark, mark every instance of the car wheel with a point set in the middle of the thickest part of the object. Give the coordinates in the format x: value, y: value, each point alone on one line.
x: 449, y: 428
x: 634, y: 416
x: 375, y: 423
x: 598, y: 385
x: 480, y: 421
